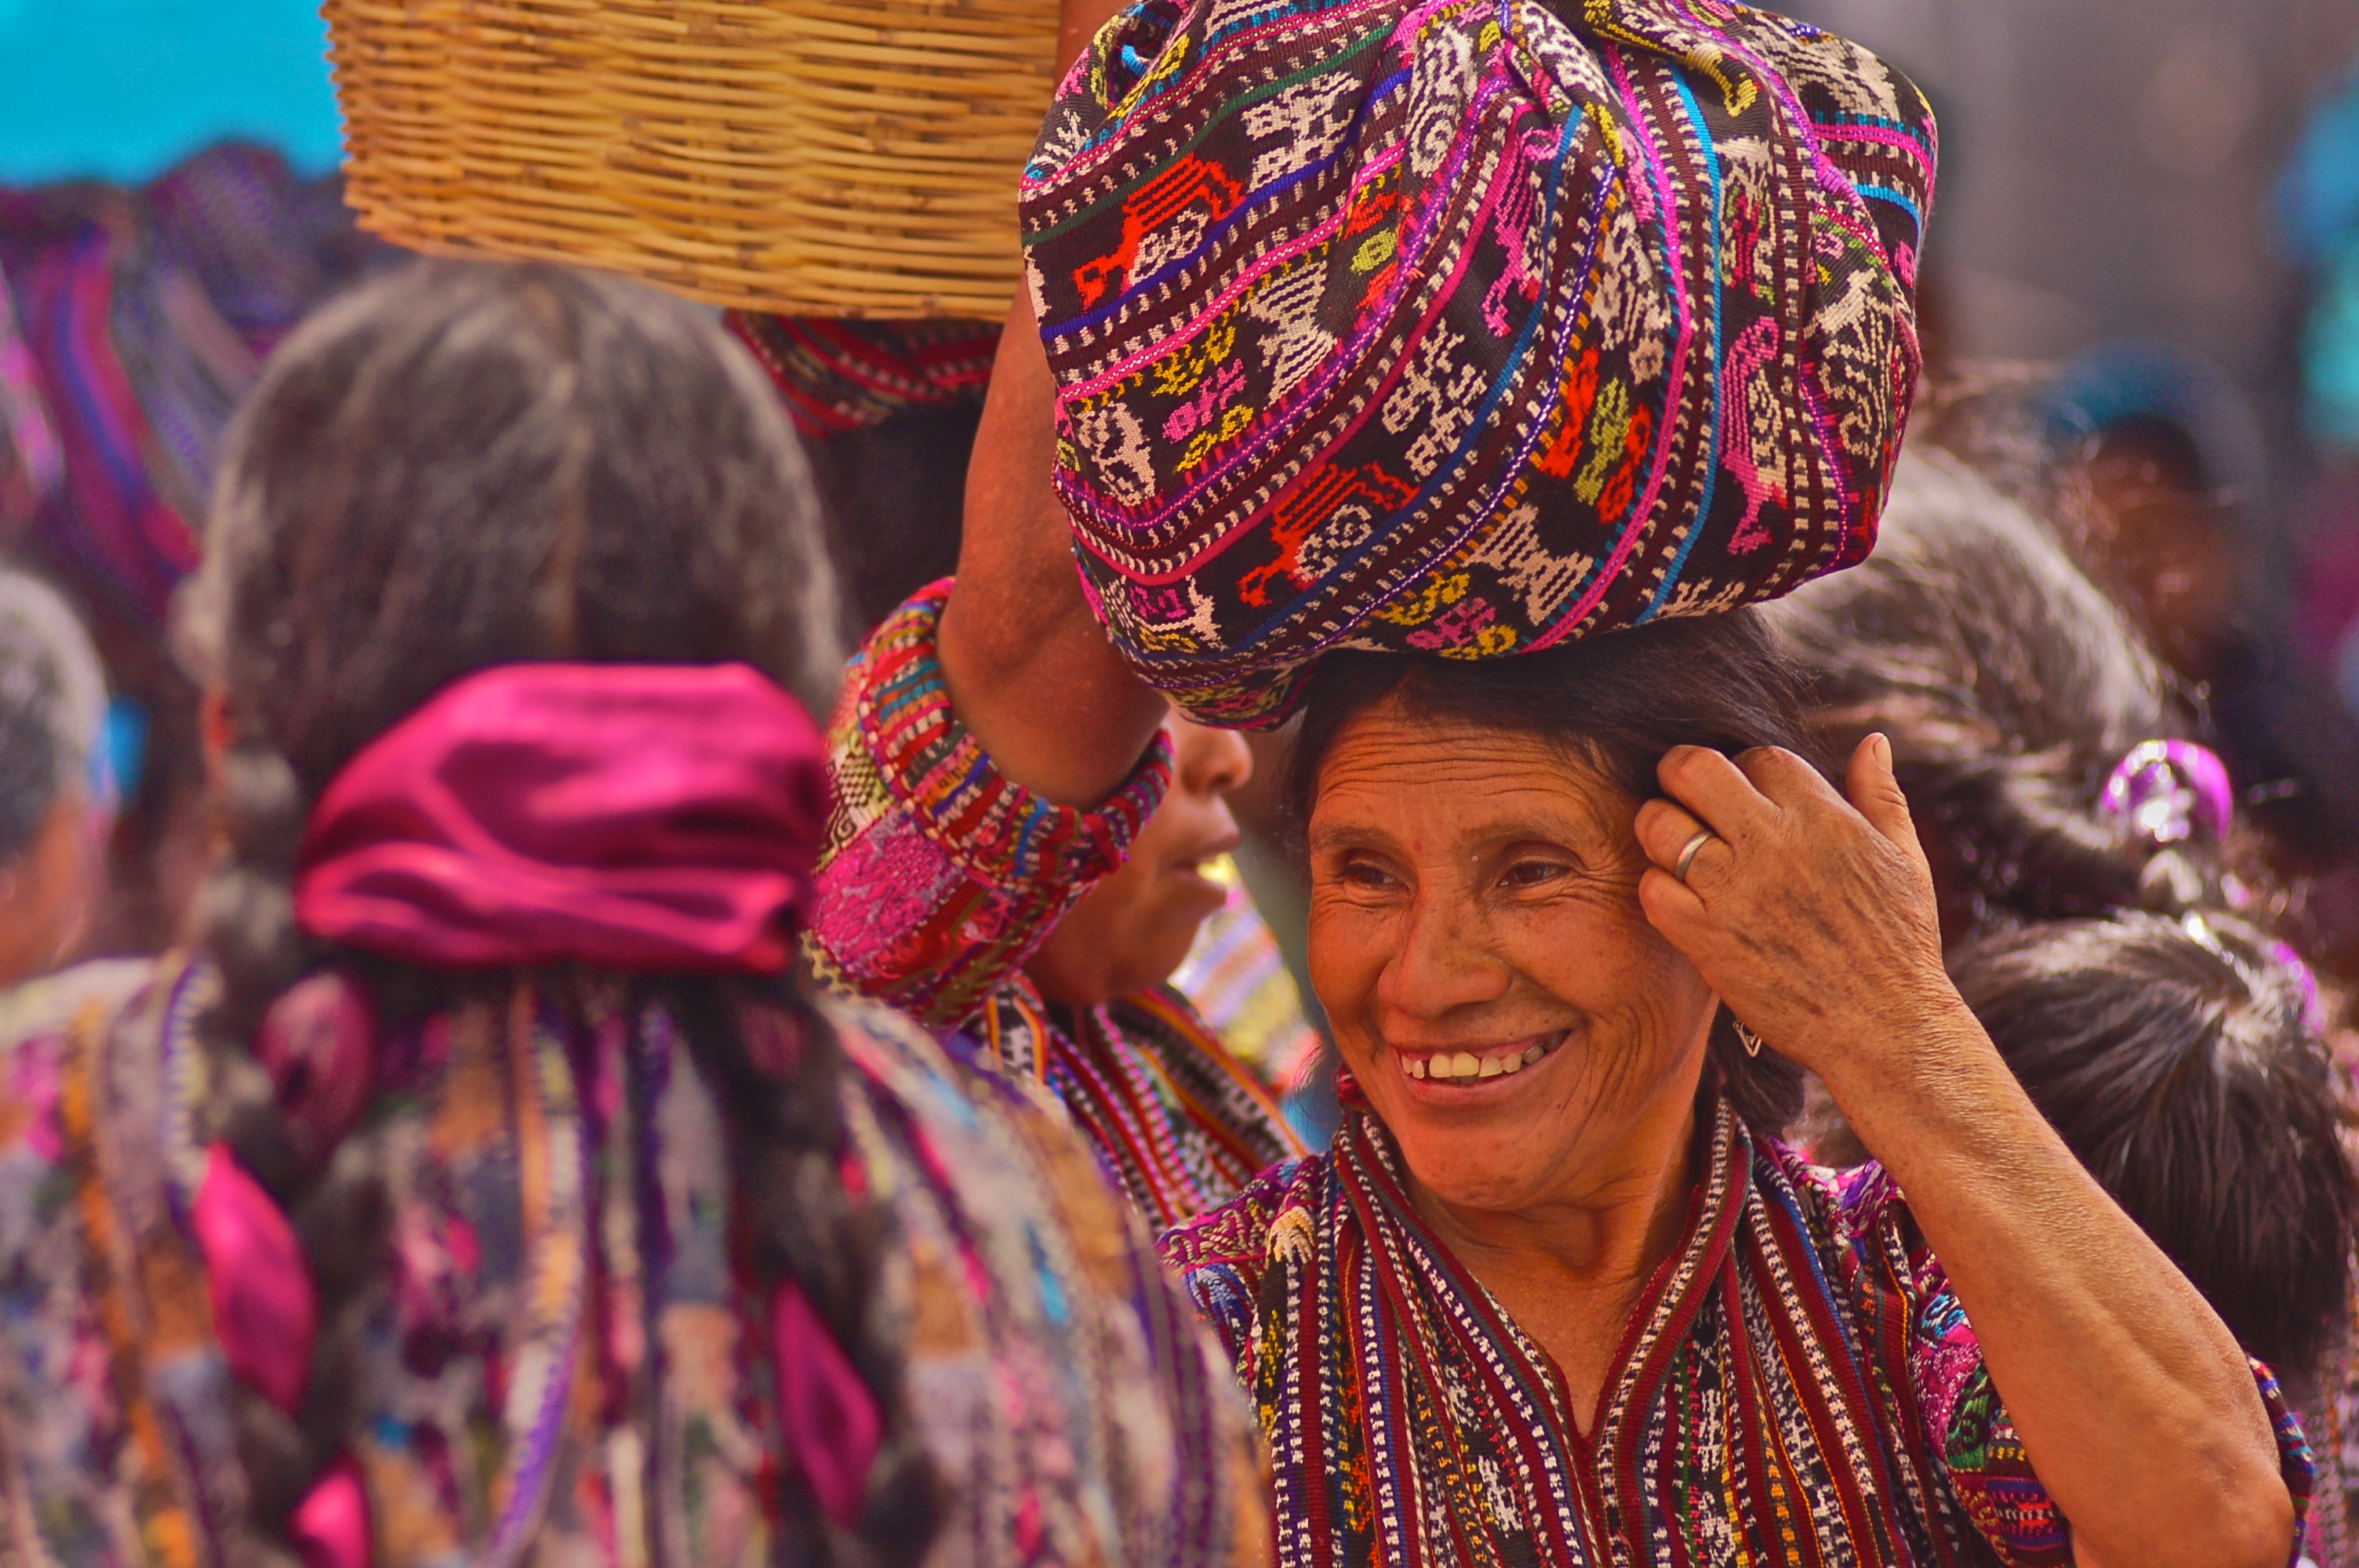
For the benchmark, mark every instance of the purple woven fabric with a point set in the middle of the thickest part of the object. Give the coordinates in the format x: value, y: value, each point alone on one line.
x: 1466, y: 326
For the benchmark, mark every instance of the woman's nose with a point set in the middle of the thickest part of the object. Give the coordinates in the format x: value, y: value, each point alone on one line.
x: 1211, y: 762
x: 1443, y: 964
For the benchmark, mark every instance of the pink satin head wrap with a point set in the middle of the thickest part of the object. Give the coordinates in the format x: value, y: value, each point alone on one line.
x: 647, y: 817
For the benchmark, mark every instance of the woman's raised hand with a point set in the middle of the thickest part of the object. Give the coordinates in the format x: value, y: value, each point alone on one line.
x: 1812, y: 917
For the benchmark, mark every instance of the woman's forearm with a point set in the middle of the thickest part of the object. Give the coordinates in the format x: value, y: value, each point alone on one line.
x: 2133, y: 1400
x: 1030, y: 672
x: 1814, y: 918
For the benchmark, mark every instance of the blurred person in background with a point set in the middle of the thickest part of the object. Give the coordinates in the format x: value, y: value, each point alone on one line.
x: 497, y: 1191
x: 2180, y: 1059
x: 2158, y: 486
x: 57, y: 794
x: 2318, y: 209
x: 136, y: 319
x: 1180, y: 1120
x: 2127, y: 468
x: 961, y: 899
x: 2317, y: 203
x: 2012, y: 689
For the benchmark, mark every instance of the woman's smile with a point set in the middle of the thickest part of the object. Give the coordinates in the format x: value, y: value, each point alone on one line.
x: 1472, y: 1074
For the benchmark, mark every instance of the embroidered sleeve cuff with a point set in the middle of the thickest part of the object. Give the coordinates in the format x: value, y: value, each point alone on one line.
x: 1992, y: 1473
x: 941, y: 876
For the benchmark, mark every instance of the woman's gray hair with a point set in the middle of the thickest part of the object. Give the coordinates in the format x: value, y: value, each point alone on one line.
x: 52, y: 705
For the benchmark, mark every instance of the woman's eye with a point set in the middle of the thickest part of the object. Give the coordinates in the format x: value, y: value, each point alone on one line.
x: 1366, y: 875
x: 1533, y: 873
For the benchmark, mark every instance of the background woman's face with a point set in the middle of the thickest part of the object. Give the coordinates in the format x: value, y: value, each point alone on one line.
x: 1131, y: 931
x: 1476, y: 939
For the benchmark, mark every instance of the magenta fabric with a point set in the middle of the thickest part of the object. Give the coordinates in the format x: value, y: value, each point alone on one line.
x: 330, y: 1528
x: 644, y: 817
x: 265, y: 1312
x: 319, y: 1044
x: 830, y: 1427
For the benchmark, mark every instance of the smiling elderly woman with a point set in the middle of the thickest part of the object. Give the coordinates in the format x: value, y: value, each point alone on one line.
x: 1558, y: 1296
x: 1455, y: 372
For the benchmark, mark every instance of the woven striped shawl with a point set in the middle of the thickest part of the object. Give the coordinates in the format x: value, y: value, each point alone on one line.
x: 1797, y: 1386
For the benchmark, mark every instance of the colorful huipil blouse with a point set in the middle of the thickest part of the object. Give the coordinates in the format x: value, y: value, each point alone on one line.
x: 2328, y: 1405
x: 1799, y: 1384
x: 1177, y: 1122
x: 567, y: 1360
x: 940, y: 879
x: 1237, y: 976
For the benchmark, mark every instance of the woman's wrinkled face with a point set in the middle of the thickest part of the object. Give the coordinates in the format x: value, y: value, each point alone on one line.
x: 1476, y: 939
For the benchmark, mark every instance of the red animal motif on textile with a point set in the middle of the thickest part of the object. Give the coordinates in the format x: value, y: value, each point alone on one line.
x: 1346, y: 503
x: 1164, y: 220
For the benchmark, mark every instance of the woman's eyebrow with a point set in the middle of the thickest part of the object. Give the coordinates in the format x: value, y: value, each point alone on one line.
x: 1565, y: 832
x: 1349, y: 836
x: 1521, y: 829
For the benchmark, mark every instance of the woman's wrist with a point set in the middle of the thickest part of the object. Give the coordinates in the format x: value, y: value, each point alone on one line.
x: 1921, y: 1070
x: 2110, y: 1367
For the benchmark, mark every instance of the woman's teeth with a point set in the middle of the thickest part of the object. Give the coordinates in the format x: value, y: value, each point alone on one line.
x: 1464, y: 1066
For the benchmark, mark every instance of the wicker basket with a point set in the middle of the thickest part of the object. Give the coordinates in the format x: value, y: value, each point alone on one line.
x: 843, y: 157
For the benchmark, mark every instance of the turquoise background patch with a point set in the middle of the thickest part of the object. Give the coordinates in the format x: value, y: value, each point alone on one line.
x: 121, y: 90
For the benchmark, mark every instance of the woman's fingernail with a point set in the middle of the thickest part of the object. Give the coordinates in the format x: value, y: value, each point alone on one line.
x: 1884, y: 753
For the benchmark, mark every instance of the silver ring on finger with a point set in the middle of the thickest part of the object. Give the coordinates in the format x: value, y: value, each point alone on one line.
x: 1689, y: 850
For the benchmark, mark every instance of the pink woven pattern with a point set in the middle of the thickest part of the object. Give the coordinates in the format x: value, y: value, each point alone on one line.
x: 941, y: 876
x: 1466, y: 328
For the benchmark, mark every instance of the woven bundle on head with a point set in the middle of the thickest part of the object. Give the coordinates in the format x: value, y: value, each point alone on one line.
x: 839, y: 158
x: 1466, y: 326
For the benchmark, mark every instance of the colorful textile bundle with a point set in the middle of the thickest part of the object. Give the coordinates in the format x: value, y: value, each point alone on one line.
x: 144, y: 316
x: 840, y: 376
x: 1466, y: 328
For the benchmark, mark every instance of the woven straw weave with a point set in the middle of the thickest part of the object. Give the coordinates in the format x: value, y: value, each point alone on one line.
x: 849, y: 158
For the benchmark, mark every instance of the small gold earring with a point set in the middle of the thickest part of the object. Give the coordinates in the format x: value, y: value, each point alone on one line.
x: 1746, y: 1038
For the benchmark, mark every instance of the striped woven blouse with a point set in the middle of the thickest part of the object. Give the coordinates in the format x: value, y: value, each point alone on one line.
x: 1799, y: 1387
x: 1178, y: 1123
